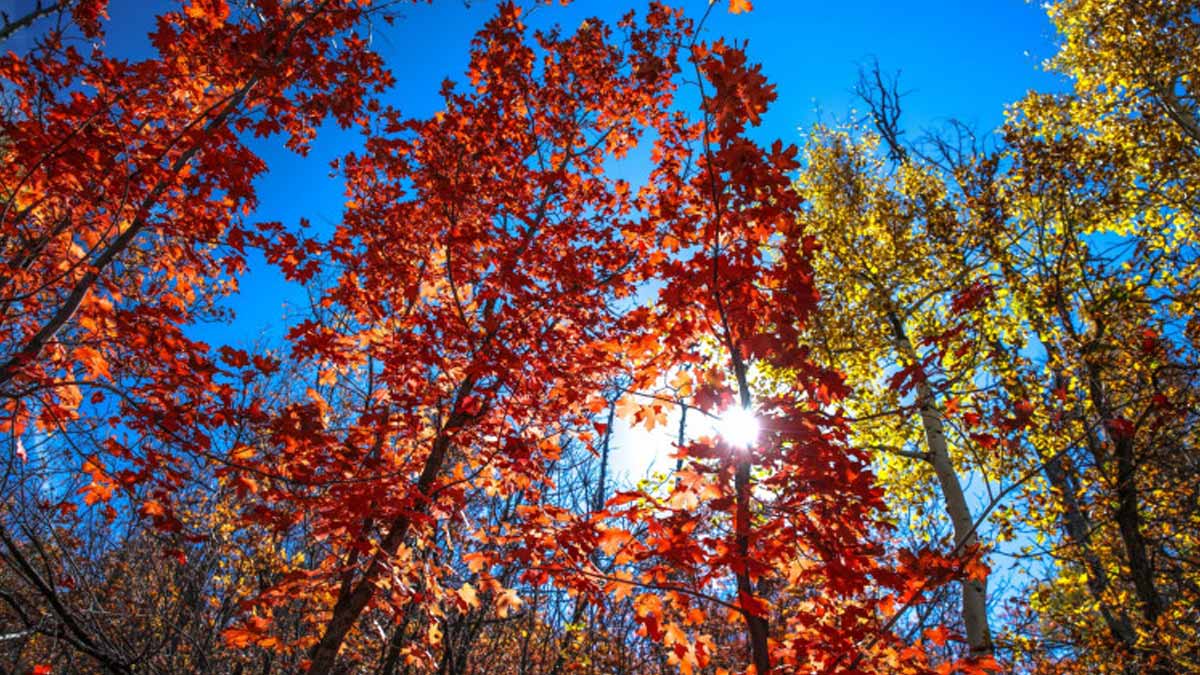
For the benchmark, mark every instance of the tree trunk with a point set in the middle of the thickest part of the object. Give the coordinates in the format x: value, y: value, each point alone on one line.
x: 1078, y: 529
x: 756, y: 626
x: 974, y: 591
x: 350, y: 605
x: 601, y: 487
x: 1128, y: 515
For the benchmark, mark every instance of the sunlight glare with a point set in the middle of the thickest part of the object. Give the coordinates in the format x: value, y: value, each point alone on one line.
x: 739, y: 427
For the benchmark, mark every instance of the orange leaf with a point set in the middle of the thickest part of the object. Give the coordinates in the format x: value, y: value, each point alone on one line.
x: 93, y: 361
x: 647, y: 604
x: 611, y: 540
x: 622, y: 585
x: 213, y: 11
x: 238, y: 637
x: 739, y: 6
x: 506, y: 601
x: 468, y: 595
x: 246, y: 484
x: 675, y: 635
x: 939, y: 635
x: 95, y: 493
x: 476, y: 561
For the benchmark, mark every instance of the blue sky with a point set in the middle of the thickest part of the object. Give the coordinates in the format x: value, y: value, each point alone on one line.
x: 964, y: 60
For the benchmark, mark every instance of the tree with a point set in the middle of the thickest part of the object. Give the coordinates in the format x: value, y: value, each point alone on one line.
x: 469, y: 342
x: 123, y: 216
x: 124, y: 191
x: 1101, y: 273
x: 1069, y: 255
x: 897, y: 273
x: 794, y: 518
x: 418, y: 478
x: 1111, y: 259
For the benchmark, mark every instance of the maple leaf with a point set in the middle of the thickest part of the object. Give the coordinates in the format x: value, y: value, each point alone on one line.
x: 239, y: 637
x: 93, y: 361
x: 939, y: 635
x: 612, y: 539
x: 245, y: 484
x: 468, y: 595
x: 215, y: 12
x: 100, y: 490
x: 673, y: 634
x: 976, y: 569
x: 647, y: 603
x: 1119, y: 428
x: 476, y: 561
x: 739, y: 6
x: 506, y: 601
x: 622, y: 585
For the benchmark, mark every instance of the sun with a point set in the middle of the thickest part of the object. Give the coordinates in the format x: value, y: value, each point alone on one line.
x: 738, y: 427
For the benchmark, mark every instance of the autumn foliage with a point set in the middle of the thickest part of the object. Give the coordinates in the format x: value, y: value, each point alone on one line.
x: 413, y: 475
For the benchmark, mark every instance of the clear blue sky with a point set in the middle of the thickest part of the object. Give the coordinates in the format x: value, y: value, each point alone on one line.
x: 964, y: 60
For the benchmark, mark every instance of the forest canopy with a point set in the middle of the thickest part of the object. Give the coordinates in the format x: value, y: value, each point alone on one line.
x: 933, y: 397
